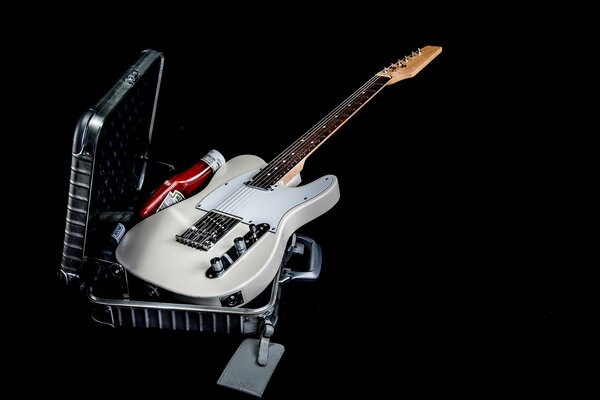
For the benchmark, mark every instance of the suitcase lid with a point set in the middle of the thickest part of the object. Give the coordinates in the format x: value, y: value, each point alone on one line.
x: 109, y: 159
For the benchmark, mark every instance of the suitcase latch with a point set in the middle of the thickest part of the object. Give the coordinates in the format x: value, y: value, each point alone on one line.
x: 132, y: 77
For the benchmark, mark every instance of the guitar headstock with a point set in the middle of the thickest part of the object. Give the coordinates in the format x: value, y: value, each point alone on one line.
x: 410, y: 65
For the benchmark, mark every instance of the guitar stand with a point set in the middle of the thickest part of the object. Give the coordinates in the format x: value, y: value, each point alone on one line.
x: 110, y: 168
x: 252, y: 365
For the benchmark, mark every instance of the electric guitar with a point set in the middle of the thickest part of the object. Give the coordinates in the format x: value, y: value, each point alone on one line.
x: 224, y: 245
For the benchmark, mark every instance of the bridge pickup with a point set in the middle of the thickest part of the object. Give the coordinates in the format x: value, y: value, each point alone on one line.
x: 207, y: 231
x: 237, y: 250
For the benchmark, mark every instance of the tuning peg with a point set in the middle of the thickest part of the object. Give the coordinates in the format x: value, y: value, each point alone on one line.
x: 413, y: 54
x: 385, y: 70
x: 406, y: 59
x: 419, y: 52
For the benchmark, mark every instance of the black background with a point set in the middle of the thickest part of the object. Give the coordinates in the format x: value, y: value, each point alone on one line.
x: 444, y: 261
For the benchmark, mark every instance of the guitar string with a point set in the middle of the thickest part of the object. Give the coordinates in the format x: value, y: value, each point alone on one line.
x: 244, y: 193
x: 301, y: 141
x: 227, y: 224
x: 196, y: 231
x: 293, y: 149
x: 375, y: 79
x: 247, y: 193
x: 239, y: 204
x: 239, y: 194
x: 205, y: 229
x: 231, y: 200
x: 318, y: 126
x: 315, y: 133
x: 224, y: 225
x: 200, y: 226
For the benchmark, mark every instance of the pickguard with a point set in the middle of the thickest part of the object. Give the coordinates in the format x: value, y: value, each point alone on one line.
x: 254, y: 205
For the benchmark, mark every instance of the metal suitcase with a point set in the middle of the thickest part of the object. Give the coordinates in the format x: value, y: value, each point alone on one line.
x: 110, y: 169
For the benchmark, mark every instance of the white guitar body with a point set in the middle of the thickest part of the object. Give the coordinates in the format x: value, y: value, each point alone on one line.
x: 175, y: 248
x: 151, y: 252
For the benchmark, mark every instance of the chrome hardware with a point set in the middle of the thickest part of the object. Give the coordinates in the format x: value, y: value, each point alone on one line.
x: 240, y: 246
x: 132, y: 77
x: 216, y: 265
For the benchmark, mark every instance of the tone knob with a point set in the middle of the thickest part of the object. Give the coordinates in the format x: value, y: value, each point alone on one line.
x: 216, y: 264
x: 240, y: 245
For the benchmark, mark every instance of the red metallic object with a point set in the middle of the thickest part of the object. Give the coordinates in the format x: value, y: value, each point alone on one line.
x: 183, y: 184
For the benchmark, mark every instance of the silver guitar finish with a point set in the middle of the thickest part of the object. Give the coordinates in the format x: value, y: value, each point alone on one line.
x: 149, y: 250
x: 252, y: 205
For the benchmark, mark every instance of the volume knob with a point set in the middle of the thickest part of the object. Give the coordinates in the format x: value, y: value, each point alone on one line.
x: 240, y: 245
x: 216, y: 265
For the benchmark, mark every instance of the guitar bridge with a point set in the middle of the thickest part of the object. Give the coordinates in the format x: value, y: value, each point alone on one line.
x: 207, y: 231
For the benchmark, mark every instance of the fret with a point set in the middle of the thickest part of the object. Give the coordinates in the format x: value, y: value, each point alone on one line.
x: 298, y: 151
x: 283, y: 167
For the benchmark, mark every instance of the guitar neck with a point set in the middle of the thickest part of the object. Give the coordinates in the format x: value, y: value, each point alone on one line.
x: 289, y: 162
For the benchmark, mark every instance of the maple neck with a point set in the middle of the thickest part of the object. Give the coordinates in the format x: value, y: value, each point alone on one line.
x: 289, y: 162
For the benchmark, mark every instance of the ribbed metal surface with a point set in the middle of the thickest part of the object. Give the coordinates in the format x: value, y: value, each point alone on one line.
x: 77, y: 206
x: 177, y: 320
x: 108, y: 160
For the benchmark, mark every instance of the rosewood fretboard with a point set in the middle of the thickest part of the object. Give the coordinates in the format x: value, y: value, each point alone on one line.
x: 298, y: 151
